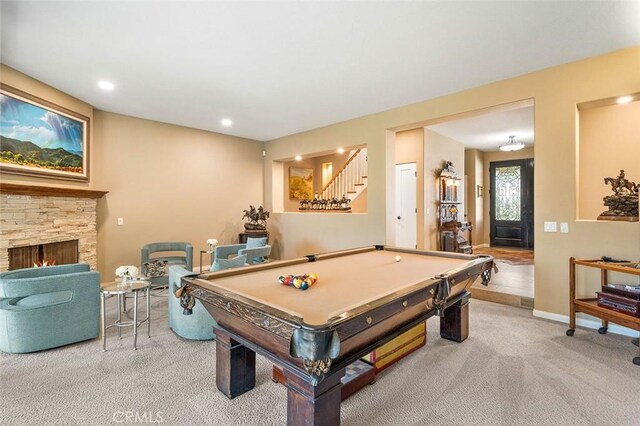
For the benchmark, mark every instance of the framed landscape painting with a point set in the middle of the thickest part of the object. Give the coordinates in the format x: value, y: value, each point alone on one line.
x: 300, y: 183
x: 40, y: 138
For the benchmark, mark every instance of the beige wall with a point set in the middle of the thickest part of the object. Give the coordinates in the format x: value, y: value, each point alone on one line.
x: 489, y: 157
x: 410, y: 149
x: 438, y: 149
x: 609, y: 142
x: 556, y: 92
x: 474, y: 172
x: 168, y: 183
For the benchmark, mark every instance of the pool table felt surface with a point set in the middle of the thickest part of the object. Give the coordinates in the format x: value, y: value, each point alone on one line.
x: 344, y: 282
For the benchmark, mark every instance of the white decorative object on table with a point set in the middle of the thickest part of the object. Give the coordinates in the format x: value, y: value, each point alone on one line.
x: 212, y: 242
x: 126, y: 273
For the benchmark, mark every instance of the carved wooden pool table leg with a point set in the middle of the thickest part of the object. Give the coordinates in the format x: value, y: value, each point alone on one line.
x: 235, y: 366
x: 313, y: 405
x: 455, y: 323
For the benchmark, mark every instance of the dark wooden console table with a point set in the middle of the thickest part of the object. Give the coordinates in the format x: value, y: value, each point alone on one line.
x: 243, y: 236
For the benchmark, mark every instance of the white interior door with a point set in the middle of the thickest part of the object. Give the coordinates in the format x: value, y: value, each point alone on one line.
x: 406, y: 205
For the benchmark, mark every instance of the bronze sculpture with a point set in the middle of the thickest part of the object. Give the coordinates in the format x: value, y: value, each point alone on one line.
x: 623, y: 204
x: 257, y: 219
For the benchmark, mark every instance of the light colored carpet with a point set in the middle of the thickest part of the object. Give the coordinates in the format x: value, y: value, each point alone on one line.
x: 513, y: 370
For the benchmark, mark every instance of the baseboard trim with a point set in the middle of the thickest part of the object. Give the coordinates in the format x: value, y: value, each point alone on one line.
x: 483, y: 245
x: 501, y: 298
x: 587, y: 322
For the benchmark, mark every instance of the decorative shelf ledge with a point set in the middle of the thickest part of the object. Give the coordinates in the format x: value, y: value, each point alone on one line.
x: 49, y: 191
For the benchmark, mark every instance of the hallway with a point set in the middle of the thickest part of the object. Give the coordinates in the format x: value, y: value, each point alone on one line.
x: 513, y: 284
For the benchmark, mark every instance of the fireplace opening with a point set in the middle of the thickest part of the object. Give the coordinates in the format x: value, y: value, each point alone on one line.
x: 60, y: 253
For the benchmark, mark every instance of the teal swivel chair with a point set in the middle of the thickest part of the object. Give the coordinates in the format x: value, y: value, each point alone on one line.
x: 256, y: 250
x: 196, y: 326
x: 43, y: 308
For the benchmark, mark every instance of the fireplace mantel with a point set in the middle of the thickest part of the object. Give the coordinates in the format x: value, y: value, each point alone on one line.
x: 49, y: 191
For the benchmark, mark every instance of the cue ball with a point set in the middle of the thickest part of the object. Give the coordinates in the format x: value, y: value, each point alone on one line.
x: 398, y: 258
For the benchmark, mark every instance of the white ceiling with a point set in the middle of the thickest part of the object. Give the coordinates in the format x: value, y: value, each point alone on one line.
x: 487, y: 132
x: 278, y: 68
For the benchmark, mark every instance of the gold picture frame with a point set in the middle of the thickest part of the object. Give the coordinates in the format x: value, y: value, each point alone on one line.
x: 300, y: 183
x: 40, y: 138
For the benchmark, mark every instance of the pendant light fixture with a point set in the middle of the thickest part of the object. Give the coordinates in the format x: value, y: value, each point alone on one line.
x: 512, y: 145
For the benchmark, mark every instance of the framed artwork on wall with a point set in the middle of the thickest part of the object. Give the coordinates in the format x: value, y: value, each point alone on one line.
x: 300, y: 183
x: 39, y: 138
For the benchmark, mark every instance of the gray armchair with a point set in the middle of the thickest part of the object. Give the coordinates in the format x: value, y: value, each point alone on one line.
x: 43, y: 308
x: 175, y: 253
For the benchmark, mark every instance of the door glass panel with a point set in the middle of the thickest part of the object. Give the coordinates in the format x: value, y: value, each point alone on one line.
x: 508, y: 193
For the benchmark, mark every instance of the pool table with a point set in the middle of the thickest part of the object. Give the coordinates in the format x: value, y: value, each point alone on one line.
x: 363, y: 298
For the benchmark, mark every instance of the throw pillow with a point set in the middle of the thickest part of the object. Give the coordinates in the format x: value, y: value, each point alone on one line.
x: 237, y: 261
x: 256, y: 242
x: 154, y: 268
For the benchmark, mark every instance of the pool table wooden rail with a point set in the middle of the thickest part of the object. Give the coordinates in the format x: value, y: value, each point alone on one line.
x: 480, y: 265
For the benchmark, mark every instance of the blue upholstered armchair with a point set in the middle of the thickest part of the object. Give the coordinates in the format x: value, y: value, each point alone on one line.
x: 198, y: 325
x: 182, y: 254
x: 43, y: 308
x: 255, y: 251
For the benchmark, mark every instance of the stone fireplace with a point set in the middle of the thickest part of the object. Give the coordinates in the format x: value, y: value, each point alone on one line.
x: 39, y: 216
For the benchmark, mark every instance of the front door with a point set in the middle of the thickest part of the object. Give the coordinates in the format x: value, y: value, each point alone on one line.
x: 511, y: 197
x: 406, y: 206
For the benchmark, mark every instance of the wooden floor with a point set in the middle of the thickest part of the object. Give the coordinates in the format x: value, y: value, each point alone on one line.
x: 512, y: 285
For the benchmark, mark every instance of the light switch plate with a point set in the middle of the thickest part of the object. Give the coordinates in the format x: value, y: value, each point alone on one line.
x: 564, y: 228
x: 551, y: 227
x: 120, y: 221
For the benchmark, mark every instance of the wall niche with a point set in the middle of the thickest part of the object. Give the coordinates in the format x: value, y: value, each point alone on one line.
x: 609, y: 141
x: 339, y: 173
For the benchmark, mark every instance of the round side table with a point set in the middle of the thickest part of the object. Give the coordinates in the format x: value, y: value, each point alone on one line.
x: 120, y: 289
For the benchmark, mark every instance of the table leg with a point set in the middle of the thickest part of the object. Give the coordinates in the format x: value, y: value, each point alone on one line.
x: 135, y: 319
x: 313, y: 405
x: 572, y: 297
x: 455, y: 323
x: 103, y: 323
x: 149, y: 312
x: 119, y: 296
x: 235, y: 366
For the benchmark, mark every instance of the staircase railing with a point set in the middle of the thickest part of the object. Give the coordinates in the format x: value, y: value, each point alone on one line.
x: 350, y: 175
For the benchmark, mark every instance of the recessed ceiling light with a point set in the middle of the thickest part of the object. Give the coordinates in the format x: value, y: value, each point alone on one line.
x: 624, y: 99
x: 106, y: 85
x: 298, y: 157
x: 226, y: 122
x: 340, y: 150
